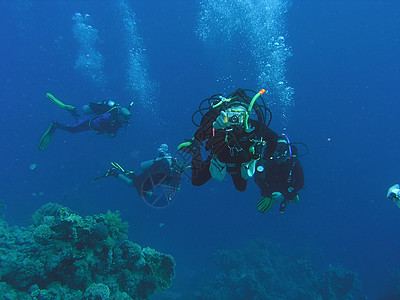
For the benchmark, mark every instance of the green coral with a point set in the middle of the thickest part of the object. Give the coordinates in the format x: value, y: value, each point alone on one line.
x: 47, y: 210
x: 113, y: 221
x: 97, y: 291
x: 162, y: 267
x: 42, y: 234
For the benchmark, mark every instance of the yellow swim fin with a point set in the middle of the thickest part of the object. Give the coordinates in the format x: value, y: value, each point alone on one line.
x: 46, y: 137
x: 117, y: 166
x: 59, y: 103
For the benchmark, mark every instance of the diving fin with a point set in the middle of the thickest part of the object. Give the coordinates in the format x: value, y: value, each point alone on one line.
x: 117, y: 166
x: 46, y: 137
x: 114, y: 171
x: 190, y: 146
x: 110, y: 172
x: 265, y: 204
x: 295, y: 200
x: 59, y: 103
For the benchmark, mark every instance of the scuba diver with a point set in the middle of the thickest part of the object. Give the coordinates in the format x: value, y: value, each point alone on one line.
x: 394, y: 194
x: 235, y: 132
x: 279, y: 177
x: 105, y: 117
x: 163, y: 172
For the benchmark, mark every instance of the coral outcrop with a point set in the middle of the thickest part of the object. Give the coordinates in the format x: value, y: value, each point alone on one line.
x: 65, y: 256
x: 262, y: 271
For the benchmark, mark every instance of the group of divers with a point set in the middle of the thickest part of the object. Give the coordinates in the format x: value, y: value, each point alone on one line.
x: 233, y: 135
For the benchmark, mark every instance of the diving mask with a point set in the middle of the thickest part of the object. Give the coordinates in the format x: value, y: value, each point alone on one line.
x: 282, y: 149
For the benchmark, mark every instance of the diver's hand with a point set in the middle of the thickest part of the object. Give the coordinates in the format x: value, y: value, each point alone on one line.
x: 277, y: 197
x: 394, y: 192
x: 220, y: 121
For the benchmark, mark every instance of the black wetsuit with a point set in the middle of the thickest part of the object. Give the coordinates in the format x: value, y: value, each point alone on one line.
x: 286, y: 177
x: 231, y: 146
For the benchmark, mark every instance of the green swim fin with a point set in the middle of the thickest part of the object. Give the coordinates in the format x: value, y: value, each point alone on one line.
x: 265, y: 204
x: 59, y: 103
x: 114, y: 171
x: 46, y: 137
x: 190, y: 146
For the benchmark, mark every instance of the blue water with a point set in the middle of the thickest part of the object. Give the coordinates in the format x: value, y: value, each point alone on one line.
x: 344, y: 68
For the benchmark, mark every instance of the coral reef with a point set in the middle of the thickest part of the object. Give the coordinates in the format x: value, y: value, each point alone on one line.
x: 65, y: 256
x: 393, y: 289
x: 262, y: 271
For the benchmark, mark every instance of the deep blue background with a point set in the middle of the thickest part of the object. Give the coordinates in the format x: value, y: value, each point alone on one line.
x: 345, y: 71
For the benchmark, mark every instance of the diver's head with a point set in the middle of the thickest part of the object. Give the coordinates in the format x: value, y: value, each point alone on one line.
x: 282, y: 150
x: 236, y: 114
x: 124, y: 115
x: 163, y: 150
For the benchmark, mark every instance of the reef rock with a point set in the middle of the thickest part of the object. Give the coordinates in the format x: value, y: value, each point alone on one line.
x: 262, y: 271
x: 65, y: 256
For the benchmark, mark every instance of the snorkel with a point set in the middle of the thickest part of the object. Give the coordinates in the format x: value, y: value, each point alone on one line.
x: 286, y: 153
x: 246, y: 121
x: 289, y: 145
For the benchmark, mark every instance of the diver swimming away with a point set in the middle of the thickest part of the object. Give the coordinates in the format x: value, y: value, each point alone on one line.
x: 163, y: 171
x: 105, y: 117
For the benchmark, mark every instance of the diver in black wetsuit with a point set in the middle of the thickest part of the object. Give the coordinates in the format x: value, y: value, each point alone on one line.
x: 234, y: 132
x: 280, y: 176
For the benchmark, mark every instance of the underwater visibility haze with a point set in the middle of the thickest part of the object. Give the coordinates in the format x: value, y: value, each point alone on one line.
x: 331, y: 70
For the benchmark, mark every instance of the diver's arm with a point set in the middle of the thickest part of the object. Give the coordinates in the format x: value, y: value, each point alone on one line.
x: 298, y: 176
x: 260, y: 180
x: 291, y: 189
x: 205, y: 130
x: 272, y: 138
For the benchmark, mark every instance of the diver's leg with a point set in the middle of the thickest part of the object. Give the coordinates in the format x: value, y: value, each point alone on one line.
x: 78, y: 127
x: 200, y: 170
x: 239, y: 182
x: 128, y: 180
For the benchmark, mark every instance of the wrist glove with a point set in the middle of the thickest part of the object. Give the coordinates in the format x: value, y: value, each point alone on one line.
x: 394, y: 192
x: 276, y: 196
x: 220, y: 121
